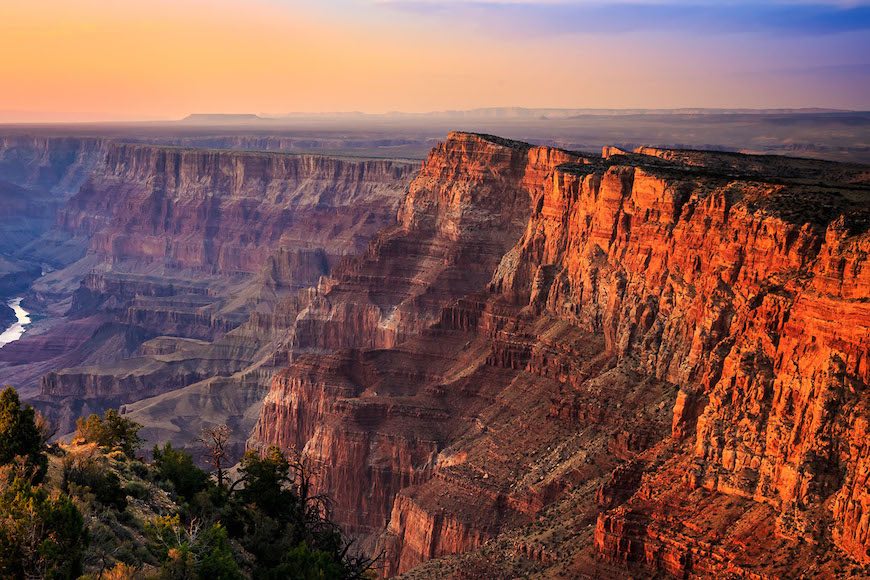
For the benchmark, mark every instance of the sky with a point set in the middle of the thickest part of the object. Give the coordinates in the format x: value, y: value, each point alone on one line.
x: 163, y: 59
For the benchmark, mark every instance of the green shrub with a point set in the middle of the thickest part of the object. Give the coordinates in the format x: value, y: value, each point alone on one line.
x: 137, y: 489
x: 193, y: 552
x: 40, y: 536
x: 89, y: 474
x: 20, y: 435
x: 112, y: 431
x: 303, y: 563
x: 176, y: 466
x: 140, y: 469
x: 283, y: 526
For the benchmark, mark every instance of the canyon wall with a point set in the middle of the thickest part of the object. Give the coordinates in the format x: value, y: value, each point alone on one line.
x: 643, y: 362
x: 529, y: 361
x: 57, y: 164
x: 227, y: 212
x: 184, y: 246
x: 37, y: 175
x: 453, y: 228
x: 731, y: 285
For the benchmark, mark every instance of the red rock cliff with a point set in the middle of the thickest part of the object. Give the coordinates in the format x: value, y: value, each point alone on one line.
x: 466, y: 207
x: 668, y: 267
x: 464, y: 210
x: 731, y: 285
x: 704, y: 292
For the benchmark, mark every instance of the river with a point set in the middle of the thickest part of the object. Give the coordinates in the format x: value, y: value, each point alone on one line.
x: 15, y: 331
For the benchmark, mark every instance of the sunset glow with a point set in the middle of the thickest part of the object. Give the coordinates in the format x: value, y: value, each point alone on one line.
x: 97, y: 59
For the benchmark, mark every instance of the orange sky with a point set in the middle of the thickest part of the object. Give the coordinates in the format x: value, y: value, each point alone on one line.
x: 168, y: 58
x: 129, y: 59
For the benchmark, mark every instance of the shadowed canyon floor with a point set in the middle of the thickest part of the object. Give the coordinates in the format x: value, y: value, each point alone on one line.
x: 527, y: 361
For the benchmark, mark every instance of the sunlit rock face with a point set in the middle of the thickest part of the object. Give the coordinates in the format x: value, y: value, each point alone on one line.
x: 576, y: 363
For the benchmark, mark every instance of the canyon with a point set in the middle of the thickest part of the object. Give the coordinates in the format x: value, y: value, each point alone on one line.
x: 509, y: 359
x: 642, y: 366
x: 171, y: 265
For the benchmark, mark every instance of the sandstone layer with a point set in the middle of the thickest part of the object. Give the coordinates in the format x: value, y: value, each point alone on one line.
x: 581, y: 364
x: 228, y: 211
x: 532, y: 361
x: 182, y: 247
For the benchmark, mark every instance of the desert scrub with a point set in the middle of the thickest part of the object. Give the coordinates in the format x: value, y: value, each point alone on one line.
x: 137, y: 490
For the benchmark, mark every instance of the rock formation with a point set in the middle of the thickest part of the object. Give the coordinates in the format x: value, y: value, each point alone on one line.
x: 181, y: 248
x: 225, y: 211
x: 59, y: 164
x: 574, y: 363
x: 529, y: 361
x: 37, y: 174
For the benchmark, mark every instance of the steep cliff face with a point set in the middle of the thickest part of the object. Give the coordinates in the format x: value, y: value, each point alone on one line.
x: 454, y: 226
x: 37, y: 175
x: 466, y: 207
x: 666, y: 331
x: 191, y: 245
x: 732, y: 288
x: 192, y: 208
x: 730, y: 284
x: 49, y: 163
x: 28, y: 212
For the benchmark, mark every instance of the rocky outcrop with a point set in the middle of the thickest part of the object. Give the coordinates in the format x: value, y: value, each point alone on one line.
x: 671, y: 315
x: 7, y: 316
x: 463, y: 211
x: 37, y: 174
x: 194, y: 244
x: 51, y: 163
x: 29, y: 213
x: 723, y: 282
x: 193, y: 208
x: 725, y: 288
x: 652, y: 361
x: 15, y: 276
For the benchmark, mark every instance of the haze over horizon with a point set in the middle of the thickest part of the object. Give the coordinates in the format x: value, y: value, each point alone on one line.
x: 435, y: 289
x: 95, y: 61
x: 280, y: 119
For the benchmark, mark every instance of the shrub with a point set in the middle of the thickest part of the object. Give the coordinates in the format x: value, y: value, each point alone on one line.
x: 120, y: 571
x: 90, y: 474
x: 283, y: 526
x: 177, y: 467
x: 20, y: 435
x: 40, y: 537
x: 193, y: 551
x: 306, y: 564
x: 137, y: 489
x: 139, y: 469
x: 111, y: 431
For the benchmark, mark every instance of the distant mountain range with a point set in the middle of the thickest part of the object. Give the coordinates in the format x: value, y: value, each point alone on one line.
x: 490, y: 113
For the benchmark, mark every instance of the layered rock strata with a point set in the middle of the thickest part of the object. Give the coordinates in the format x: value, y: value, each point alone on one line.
x: 227, y: 212
x: 191, y: 244
x: 661, y: 328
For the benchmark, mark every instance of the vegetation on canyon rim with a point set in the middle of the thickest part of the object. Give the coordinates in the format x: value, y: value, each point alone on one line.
x: 93, y: 508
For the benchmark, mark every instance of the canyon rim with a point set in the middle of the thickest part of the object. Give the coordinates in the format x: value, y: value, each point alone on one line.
x: 284, y: 295
x: 510, y: 359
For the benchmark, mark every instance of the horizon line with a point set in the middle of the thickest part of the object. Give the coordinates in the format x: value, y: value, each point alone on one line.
x: 81, y: 118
